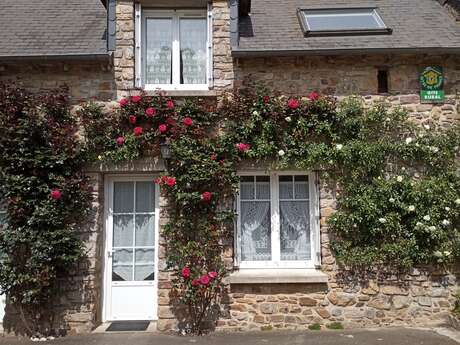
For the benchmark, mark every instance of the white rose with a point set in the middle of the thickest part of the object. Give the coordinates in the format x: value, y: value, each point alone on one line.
x: 391, y: 200
x: 399, y: 178
x: 432, y: 228
x: 255, y: 113
x: 438, y: 254
x: 99, y: 157
x: 411, y: 208
x: 339, y: 147
x: 281, y: 153
x: 419, y: 224
x: 382, y: 220
x: 457, y: 201
x: 447, y: 209
x: 408, y: 140
x: 434, y: 149
x: 445, y: 222
x: 288, y: 119
x: 446, y: 253
x: 427, y: 127
x: 387, y: 119
x: 427, y: 218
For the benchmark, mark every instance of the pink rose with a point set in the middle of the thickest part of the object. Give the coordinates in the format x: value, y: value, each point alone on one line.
x: 293, y: 103
x: 266, y: 99
x: 212, y: 274
x: 137, y: 131
x: 157, y: 180
x: 136, y: 99
x: 195, y: 282
x: 162, y: 128
x: 123, y: 102
x: 206, y: 196
x: 213, y: 157
x: 204, y: 280
x: 132, y: 119
x: 171, y: 181
x: 242, y: 147
x: 150, y: 112
x: 313, y: 96
x: 56, y: 194
x: 187, y: 121
x: 170, y: 104
x: 120, y: 141
x: 186, y: 272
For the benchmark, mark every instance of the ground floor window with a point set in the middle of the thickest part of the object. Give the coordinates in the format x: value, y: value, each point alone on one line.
x: 277, y: 220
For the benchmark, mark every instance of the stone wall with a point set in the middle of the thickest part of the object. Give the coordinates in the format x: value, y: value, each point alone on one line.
x: 85, y: 79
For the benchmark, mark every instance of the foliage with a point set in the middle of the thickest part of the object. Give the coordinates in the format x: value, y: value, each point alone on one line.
x: 334, y: 325
x: 46, y: 197
x: 456, y: 310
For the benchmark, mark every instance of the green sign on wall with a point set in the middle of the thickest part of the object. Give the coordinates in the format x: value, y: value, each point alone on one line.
x: 432, y: 83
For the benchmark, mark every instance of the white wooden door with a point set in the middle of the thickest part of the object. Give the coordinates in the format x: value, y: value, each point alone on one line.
x: 132, y: 247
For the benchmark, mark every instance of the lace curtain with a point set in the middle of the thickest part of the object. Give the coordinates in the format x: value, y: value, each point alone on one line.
x: 295, y: 230
x: 193, y: 33
x: 255, y: 231
x: 158, y: 67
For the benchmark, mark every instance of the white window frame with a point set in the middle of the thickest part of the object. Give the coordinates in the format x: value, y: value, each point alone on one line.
x: 276, y: 262
x: 140, y: 33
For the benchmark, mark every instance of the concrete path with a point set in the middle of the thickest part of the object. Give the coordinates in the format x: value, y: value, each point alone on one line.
x: 391, y: 336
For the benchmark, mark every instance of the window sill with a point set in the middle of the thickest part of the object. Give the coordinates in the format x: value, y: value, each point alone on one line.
x: 184, y: 93
x: 278, y: 276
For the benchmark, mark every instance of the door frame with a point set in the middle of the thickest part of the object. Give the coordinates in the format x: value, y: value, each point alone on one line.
x: 108, y: 235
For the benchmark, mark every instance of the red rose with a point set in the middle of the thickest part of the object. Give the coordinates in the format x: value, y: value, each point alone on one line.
x: 150, y: 112
x: 137, y: 131
x: 212, y: 274
x: 56, y: 194
x: 162, y: 128
x: 195, y: 282
x: 313, y: 96
x: 120, y: 141
x: 213, y: 157
x: 293, y: 103
x: 186, y: 272
x: 136, y: 99
x: 171, y: 181
x: 170, y: 104
x: 187, y: 121
x: 132, y: 119
x: 266, y: 99
x: 204, y: 280
x: 206, y: 196
x: 170, y: 121
x: 157, y: 180
x: 123, y: 102
x: 242, y: 147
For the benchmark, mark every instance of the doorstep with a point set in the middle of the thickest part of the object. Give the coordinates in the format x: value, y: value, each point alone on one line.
x: 281, y: 276
x: 152, y: 328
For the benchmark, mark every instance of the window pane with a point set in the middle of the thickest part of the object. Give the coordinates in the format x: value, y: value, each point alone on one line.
x: 123, y: 231
x: 193, y: 52
x: 295, y: 230
x: 247, y: 188
x: 301, y: 187
x: 158, y: 60
x: 123, y: 197
x: 122, y: 267
x: 263, y: 187
x: 255, y: 231
x: 145, y: 264
x: 286, y: 187
x: 342, y: 19
x: 145, y: 231
x: 145, y: 197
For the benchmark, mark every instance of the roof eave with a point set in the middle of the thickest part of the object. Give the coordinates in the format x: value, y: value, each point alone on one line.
x: 56, y: 57
x: 236, y: 52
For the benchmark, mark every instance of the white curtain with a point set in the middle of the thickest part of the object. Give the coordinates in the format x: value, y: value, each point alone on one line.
x: 159, y: 51
x: 255, y: 231
x: 193, y: 37
x: 295, y: 230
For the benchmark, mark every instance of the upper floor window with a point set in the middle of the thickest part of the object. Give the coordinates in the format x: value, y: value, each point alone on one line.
x: 173, y: 49
x: 277, y: 221
x: 342, y: 21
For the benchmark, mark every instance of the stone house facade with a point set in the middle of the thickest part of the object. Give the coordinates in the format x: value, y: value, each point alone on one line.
x: 237, y: 43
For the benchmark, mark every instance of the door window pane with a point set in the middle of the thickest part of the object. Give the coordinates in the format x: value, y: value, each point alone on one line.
x: 122, y: 265
x: 123, y: 197
x: 193, y: 52
x: 145, y: 197
x: 145, y: 234
x: 158, y: 66
x: 123, y: 231
x: 145, y: 264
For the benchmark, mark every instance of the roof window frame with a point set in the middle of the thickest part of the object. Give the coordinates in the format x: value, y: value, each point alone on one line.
x: 383, y: 30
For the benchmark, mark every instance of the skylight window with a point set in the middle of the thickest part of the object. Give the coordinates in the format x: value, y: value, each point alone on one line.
x: 342, y: 21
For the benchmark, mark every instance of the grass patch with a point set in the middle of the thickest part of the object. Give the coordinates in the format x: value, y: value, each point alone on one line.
x: 334, y: 325
x: 315, y: 327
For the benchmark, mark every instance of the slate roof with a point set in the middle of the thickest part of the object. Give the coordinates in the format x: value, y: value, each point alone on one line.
x: 418, y: 25
x: 45, y: 28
